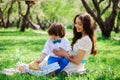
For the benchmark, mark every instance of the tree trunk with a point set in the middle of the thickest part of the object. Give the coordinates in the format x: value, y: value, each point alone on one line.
x: 18, y: 22
x: 42, y: 26
x: 107, y: 25
x: 25, y: 17
x: 19, y: 12
x: 9, y: 13
x: 23, y: 25
x: 3, y: 23
x: 106, y: 33
x: 117, y: 28
x: 2, y: 19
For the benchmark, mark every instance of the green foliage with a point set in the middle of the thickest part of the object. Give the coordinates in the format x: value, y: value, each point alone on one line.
x: 53, y: 11
x: 62, y: 11
x: 27, y: 46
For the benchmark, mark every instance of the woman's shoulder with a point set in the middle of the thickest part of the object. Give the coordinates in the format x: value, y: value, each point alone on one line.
x: 85, y: 40
x: 84, y: 43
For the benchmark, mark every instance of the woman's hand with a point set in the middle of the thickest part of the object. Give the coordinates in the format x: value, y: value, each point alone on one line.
x: 61, y: 52
x: 94, y: 51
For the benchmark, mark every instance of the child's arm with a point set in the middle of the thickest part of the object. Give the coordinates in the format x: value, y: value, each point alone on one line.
x: 42, y: 58
x: 44, y: 52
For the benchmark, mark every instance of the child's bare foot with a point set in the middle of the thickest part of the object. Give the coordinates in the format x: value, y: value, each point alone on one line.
x: 22, y: 68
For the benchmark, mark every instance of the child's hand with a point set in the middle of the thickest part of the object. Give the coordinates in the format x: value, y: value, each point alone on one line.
x: 38, y: 61
x: 71, y: 56
x: 34, y: 65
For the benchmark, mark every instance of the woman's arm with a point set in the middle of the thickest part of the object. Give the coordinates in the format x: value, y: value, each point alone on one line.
x: 94, y: 40
x: 61, y: 52
x: 78, y: 57
x: 75, y: 58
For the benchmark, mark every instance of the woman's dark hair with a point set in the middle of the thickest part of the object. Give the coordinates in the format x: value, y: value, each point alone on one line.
x: 57, y: 29
x: 88, y: 26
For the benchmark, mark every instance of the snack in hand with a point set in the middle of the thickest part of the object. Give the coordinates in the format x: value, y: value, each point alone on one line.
x: 71, y: 56
x: 34, y: 65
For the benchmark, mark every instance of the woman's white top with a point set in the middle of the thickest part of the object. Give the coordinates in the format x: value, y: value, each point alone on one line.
x: 85, y: 44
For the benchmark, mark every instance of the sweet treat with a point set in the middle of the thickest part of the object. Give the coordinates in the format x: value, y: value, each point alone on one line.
x: 34, y: 65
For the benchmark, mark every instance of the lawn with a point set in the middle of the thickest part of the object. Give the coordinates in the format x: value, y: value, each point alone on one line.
x: 27, y: 46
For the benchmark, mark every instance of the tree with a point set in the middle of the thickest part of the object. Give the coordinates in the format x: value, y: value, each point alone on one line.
x: 9, y: 12
x: 117, y: 27
x: 60, y: 10
x: 2, y: 11
x: 19, y: 12
x: 25, y: 17
x: 1, y: 17
x: 106, y: 25
x: 7, y: 8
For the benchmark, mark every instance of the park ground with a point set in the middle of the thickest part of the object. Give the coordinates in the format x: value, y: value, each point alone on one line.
x: 27, y: 46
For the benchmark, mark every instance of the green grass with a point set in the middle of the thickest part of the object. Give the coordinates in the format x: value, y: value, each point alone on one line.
x: 27, y: 46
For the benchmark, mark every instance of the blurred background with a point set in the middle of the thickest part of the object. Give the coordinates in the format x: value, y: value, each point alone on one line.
x: 39, y: 14
x: 23, y: 33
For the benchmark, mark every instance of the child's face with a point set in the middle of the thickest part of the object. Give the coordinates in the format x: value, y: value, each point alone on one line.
x: 54, y: 37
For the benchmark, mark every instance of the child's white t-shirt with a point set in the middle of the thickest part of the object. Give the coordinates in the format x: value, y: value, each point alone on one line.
x: 50, y: 46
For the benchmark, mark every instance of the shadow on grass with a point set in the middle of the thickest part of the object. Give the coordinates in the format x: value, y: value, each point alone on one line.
x: 61, y: 76
x: 1, y: 48
x: 101, y: 78
x: 110, y: 41
x: 109, y: 60
x: 18, y: 33
x: 107, y: 78
x: 9, y: 32
x: 22, y: 42
x: 117, y: 78
x: 18, y: 76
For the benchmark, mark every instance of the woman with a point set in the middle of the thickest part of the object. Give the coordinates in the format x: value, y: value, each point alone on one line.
x: 83, y: 43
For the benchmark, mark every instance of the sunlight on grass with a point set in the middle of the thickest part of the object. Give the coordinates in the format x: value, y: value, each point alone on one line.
x: 17, y: 46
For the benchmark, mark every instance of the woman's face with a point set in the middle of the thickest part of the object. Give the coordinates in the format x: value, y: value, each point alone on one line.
x: 78, y: 25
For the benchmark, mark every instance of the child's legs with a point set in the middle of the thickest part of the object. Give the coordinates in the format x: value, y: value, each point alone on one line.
x: 53, y: 60
x: 63, y: 62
